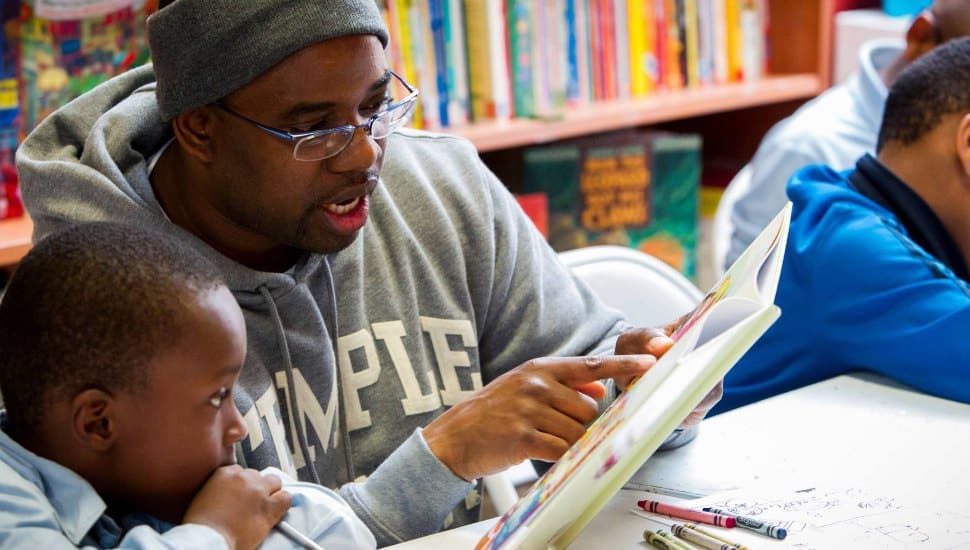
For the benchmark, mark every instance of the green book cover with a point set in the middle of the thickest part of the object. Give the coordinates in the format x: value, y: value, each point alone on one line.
x: 631, y: 188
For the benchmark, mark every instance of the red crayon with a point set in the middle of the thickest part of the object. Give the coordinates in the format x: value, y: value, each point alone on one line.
x: 686, y: 513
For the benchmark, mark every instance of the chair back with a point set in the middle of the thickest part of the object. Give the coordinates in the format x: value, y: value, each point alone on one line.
x: 648, y: 291
x: 723, y: 228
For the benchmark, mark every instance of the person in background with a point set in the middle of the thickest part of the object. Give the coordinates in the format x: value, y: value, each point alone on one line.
x: 876, y: 274
x: 409, y: 329
x: 840, y: 125
x: 119, y: 349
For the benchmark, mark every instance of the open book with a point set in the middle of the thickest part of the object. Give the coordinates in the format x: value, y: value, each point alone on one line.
x: 708, y: 342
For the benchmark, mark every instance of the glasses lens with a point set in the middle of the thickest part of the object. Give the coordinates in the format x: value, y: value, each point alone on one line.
x: 321, y: 147
x: 391, y: 119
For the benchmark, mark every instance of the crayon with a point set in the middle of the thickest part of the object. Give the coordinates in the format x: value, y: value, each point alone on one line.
x: 699, y: 539
x: 752, y: 524
x: 686, y: 513
x: 715, y: 536
x: 664, y: 540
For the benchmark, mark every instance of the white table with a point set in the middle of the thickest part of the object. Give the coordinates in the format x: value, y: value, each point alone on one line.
x: 858, y: 431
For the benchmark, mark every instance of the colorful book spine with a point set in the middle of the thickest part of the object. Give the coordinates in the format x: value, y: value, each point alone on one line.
x: 705, y: 41
x: 596, y: 51
x: 608, y: 35
x: 520, y: 55
x: 719, y: 18
x: 643, y: 64
x: 456, y: 63
x: 573, y: 46
x: 660, y: 41
x: 488, y: 73
x: 621, y: 33
x: 752, y: 37
x: 732, y: 9
x: 691, y: 43
x: 673, y: 76
x: 436, y: 11
x: 499, y: 59
x: 422, y: 55
x: 479, y: 68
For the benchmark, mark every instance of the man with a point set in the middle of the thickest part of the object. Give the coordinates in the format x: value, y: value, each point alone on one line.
x: 876, y: 274
x: 840, y: 125
x: 385, y: 278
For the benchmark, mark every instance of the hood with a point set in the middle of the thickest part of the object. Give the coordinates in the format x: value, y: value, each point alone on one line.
x: 95, y: 151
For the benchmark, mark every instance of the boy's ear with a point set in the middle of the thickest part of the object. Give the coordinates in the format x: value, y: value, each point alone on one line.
x: 963, y: 146
x: 921, y: 37
x: 193, y: 130
x: 94, y: 422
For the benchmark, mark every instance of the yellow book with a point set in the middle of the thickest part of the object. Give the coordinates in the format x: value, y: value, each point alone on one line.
x: 692, y: 43
x: 479, y: 71
x: 732, y: 12
x: 402, y: 26
x: 636, y: 29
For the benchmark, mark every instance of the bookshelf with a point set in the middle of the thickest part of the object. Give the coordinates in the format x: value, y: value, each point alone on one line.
x: 799, y: 68
x: 661, y: 107
x: 799, y: 38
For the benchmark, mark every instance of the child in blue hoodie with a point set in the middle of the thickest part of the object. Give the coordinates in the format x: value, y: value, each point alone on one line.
x: 876, y: 269
x: 119, y: 350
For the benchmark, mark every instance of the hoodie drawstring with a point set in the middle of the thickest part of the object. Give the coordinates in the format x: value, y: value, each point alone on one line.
x: 333, y: 326
x: 288, y: 368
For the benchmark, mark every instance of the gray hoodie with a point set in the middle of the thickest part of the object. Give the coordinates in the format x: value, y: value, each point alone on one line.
x: 448, y: 286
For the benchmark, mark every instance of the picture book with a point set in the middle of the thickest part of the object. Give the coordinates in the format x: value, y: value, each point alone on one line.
x: 707, y: 343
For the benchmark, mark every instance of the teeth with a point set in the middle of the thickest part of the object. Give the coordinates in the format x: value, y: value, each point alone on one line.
x: 341, y: 208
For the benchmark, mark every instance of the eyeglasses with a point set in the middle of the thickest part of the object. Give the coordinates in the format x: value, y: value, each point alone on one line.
x: 322, y: 144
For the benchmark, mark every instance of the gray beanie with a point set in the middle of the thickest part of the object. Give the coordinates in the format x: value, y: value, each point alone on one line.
x: 204, y: 50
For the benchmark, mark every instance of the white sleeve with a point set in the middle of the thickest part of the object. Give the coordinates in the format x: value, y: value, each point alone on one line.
x: 320, y: 514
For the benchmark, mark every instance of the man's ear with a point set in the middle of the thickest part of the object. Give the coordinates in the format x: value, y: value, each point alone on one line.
x: 963, y: 146
x: 94, y: 419
x: 193, y: 130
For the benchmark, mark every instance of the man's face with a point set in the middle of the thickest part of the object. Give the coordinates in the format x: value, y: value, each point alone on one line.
x: 175, y: 432
x: 256, y: 186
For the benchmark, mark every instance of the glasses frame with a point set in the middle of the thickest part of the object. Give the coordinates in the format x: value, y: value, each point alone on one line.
x: 351, y: 129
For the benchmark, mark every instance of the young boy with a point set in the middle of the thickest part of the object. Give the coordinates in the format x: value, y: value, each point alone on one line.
x: 119, y: 349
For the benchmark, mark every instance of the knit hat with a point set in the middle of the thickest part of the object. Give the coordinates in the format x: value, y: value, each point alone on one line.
x: 204, y: 50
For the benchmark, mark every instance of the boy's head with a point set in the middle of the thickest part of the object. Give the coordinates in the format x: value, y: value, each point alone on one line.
x: 933, y: 90
x: 118, y: 351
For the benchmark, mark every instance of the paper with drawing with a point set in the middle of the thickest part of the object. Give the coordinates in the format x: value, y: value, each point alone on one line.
x: 826, y: 518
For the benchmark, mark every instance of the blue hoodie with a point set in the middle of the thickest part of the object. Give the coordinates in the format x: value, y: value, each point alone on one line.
x: 871, y: 282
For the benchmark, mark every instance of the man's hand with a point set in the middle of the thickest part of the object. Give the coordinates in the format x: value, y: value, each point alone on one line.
x: 241, y: 504
x: 653, y: 341
x: 537, y: 410
x: 656, y: 341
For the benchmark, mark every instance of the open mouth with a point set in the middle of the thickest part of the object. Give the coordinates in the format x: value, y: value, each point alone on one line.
x: 342, y: 207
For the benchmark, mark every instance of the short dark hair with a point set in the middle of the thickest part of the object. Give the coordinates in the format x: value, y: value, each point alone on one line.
x: 164, y: 3
x: 933, y: 86
x: 89, y: 306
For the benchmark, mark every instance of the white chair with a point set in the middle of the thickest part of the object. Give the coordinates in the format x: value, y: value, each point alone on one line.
x: 723, y: 228
x: 648, y: 291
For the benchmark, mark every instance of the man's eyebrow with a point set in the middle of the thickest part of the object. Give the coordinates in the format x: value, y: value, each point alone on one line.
x: 301, y: 109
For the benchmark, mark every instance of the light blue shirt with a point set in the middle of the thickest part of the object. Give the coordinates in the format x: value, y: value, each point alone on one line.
x: 834, y: 129
x: 44, y: 505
